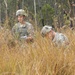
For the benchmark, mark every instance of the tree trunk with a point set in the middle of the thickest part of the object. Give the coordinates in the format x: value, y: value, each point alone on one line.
x: 0, y: 13
x: 22, y: 4
x: 19, y: 4
x: 71, y: 9
x: 35, y: 14
x: 5, y: 1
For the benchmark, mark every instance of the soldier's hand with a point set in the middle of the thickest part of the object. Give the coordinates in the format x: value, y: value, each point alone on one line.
x: 29, y: 39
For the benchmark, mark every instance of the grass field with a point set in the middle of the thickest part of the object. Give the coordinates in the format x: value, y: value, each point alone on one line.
x: 38, y: 58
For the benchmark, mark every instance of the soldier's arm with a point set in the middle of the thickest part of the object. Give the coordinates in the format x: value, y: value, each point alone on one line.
x: 65, y: 39
x: 30, y: 37
x: 14, y: 31
x: 31, y: 31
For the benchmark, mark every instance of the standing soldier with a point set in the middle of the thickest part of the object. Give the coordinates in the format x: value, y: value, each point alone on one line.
x: 23, y: 30
x: 58, y: 38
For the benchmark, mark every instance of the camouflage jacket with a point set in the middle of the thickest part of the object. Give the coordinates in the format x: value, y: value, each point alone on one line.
x: 21, y: 31
x: 60, y: 39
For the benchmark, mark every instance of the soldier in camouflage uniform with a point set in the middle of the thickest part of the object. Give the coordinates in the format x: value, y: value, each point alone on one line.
x: 23, y: 30
x: 58, y: 38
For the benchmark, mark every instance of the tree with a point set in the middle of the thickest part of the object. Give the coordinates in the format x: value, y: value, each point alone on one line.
x: 48, y: 14
x: 47, y: 10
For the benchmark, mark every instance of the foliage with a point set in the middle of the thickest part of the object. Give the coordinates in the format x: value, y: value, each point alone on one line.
x: 48, y: 13
x: 54, y: 8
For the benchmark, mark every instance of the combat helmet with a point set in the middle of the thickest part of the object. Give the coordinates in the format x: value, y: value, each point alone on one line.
x: 21, y: 12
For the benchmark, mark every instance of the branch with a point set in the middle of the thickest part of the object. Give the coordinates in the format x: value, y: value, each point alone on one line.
x: 5, y: 1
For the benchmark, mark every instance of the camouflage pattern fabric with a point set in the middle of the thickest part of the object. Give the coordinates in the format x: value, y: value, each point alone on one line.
x: 21, y: 31
x: 60, y: 39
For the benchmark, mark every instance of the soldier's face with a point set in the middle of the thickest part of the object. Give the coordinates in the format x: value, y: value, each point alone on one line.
x: 50, y: 35
x: 20, y: 18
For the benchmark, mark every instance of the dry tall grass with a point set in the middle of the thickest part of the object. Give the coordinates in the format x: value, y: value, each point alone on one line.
x: 38, y: 58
